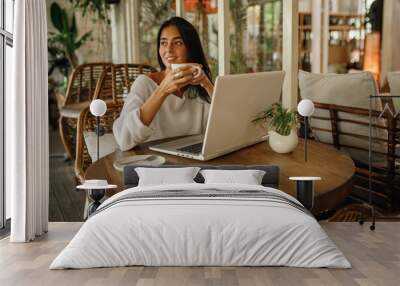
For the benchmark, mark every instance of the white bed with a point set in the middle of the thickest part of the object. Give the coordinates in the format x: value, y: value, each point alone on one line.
x: 265, y: 229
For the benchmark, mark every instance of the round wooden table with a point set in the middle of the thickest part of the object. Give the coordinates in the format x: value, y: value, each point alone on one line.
x: 334, y: 167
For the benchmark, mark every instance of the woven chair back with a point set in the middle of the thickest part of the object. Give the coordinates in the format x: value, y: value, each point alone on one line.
x: 115, y: 82
x: 83, y: 82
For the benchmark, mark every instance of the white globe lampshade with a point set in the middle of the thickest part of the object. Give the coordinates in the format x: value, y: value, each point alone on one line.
x: 305, y: 107
x: 98, y: 107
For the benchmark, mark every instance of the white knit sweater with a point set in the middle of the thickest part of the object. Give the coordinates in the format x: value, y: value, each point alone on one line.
x: 176, y: 117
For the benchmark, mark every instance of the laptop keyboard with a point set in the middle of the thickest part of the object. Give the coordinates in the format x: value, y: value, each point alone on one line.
x: 194, y: 149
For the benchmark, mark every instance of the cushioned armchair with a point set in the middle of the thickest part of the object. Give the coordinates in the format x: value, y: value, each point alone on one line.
x: 81, y: 88
x: 341, y: 118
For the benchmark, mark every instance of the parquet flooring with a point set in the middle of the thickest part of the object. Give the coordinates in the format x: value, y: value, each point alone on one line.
x: 375, y: 257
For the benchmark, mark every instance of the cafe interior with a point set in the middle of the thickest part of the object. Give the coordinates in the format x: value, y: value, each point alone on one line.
x: 328, y: 143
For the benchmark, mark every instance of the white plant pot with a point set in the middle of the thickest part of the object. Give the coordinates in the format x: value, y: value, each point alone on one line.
x: 283, y: 144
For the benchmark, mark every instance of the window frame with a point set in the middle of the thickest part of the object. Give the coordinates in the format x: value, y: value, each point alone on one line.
x: 6, y: 39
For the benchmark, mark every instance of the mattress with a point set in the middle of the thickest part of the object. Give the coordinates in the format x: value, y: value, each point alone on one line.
x: 201, y: 225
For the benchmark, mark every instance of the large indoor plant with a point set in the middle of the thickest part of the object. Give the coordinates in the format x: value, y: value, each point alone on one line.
x: 63, y: 44
x: 65, y: 37
x: 281, y: 125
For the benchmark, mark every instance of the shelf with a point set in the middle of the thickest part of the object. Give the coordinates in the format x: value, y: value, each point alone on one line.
x: 343, y: 24
x: 336, y: 14
x: 343, y: 28
x: 332, y: 28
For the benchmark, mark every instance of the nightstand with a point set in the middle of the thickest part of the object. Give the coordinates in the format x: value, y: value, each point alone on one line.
x: 96, y: 190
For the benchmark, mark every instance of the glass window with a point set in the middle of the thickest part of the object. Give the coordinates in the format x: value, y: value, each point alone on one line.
x: 152, y: 14
x: 256, y: 35
x: 9, y: 15
x: 1, y: 14
x: 7, y: 94
x: 6, y: 29
x: 204, y: 17
x: 2, y: 203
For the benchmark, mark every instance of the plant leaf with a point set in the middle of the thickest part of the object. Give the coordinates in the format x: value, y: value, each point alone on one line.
x: 279, y: 118
x: 56, y: 16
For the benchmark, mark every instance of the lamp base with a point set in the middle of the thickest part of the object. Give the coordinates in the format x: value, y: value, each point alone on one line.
x: 305, y: 193
x: 96, y: 195
x: 305, y: 190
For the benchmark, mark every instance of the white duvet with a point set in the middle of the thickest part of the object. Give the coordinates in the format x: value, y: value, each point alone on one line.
x: 200, y: 231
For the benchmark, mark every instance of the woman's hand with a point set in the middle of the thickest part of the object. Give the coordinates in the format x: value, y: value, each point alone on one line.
x: 171, y: 84
x: 204, y: 82
x: 174, y: 80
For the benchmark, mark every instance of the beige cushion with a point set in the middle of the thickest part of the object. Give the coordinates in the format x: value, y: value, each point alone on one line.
x: 73, y: 110
x: 341, y: 89
x: 394, y: 84
x: 107, y: 144
x: 352, y: 90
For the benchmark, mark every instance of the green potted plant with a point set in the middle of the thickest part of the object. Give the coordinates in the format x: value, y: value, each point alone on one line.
x: 63, y: 44
x: 65, y: 38
x: 281, y: 125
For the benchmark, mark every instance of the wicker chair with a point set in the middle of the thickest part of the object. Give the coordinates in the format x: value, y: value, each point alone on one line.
x: 81, y: 88
x: 341, y: 118
x: 87, y: 123
x: 393, y: 79
x: 116, y: 82
x: 385, y: 150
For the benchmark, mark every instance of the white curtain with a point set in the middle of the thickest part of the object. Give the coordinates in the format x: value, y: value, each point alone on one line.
x: 27, y: 155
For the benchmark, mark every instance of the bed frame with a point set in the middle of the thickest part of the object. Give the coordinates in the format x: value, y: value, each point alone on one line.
x: 270, y: 179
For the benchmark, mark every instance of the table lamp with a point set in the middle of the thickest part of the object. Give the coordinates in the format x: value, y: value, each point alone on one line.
x: 305, y: 109
x: 98, y: 108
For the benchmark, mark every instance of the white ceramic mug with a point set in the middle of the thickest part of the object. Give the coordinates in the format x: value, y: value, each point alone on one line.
x: 195, y: 66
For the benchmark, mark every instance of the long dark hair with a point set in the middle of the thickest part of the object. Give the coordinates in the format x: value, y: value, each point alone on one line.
x: 195, y: 53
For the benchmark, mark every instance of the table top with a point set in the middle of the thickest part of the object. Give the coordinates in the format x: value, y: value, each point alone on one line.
x: 335, y: 168
x: 305, y: 178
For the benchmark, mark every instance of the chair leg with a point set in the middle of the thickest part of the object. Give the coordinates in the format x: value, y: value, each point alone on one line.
x: 66, y: 137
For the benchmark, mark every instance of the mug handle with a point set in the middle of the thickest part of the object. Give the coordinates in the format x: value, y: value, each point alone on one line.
x: 198, y: 72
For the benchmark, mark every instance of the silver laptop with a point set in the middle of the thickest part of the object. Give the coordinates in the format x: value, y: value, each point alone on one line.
x: 236, y: 100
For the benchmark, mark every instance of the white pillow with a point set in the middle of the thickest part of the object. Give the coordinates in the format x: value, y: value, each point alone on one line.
x: 107, y: 144
x: 248, y: 177
x: 164, y: 176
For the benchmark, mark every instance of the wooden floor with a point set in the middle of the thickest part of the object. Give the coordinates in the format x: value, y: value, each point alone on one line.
x: 375, y: 257
x: 65, y: 204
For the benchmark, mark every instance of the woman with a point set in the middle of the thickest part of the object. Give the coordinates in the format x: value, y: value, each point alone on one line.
x: 168, y: 103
